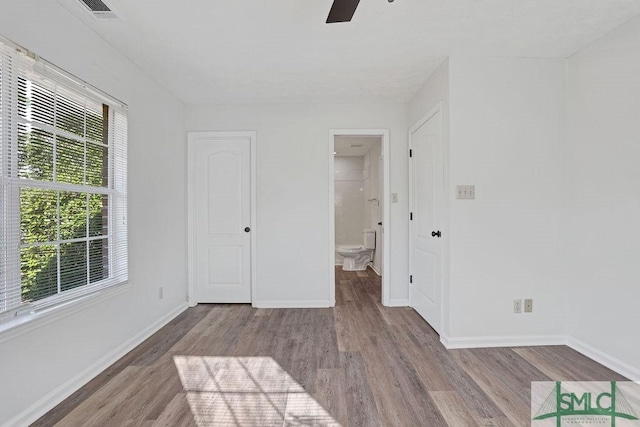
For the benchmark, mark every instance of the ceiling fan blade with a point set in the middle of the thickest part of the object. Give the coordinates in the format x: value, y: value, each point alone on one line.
x: 342, y: 11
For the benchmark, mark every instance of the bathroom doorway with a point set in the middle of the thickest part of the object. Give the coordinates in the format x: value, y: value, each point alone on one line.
x: 359, y: 205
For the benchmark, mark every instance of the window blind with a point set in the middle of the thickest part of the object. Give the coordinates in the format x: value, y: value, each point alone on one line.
x: 63, y: 179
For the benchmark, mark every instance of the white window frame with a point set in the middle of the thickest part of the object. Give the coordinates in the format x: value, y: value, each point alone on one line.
x: 14, y: 313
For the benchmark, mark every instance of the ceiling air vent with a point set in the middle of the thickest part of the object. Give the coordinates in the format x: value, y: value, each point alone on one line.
x: 99, y: 10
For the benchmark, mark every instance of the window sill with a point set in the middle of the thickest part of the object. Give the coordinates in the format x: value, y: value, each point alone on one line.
x: 27, y: 323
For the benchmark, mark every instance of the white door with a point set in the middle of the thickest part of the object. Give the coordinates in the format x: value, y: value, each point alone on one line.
x: 426, y: 210
x: 221, y: 180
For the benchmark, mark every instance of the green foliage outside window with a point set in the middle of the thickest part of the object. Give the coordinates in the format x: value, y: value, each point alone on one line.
x: 56, y: 225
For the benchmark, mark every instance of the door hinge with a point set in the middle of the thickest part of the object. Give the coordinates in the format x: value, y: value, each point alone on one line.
x: 410, y: 216
x: 411, y: 279
x: 410, y: 153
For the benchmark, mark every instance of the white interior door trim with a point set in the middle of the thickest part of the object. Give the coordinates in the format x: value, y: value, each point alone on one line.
x: 386, y: 236
x: 435, y: 110
x: 191, y: 220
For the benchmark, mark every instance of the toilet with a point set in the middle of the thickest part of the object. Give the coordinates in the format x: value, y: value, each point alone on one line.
x: 356, y: 257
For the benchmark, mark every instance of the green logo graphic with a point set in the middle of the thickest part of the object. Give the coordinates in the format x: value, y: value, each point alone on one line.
x: 607, y: 404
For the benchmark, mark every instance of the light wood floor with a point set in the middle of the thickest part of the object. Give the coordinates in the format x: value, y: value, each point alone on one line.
x: 358, y: 364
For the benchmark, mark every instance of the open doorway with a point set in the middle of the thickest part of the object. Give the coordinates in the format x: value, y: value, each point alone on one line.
x: 358, y: 207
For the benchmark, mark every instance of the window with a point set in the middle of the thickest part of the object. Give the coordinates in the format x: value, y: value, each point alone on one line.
x: 63, y: 179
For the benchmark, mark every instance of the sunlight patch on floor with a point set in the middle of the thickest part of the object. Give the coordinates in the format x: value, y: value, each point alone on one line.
x: 246, y: 391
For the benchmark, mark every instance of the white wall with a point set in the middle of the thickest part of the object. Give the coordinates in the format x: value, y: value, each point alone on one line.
x: 366, y: 189
x: 603, y: 195
x: 349, y: 201
x: 507, y: 138
x: 38, y: 362
x: 293, y: 178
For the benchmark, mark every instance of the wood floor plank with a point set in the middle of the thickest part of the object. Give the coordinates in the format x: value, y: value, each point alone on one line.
x: 346, y: 331
x: 495, y: 422
x: 176, y: 414
x: 391, y: 406
x: 505, y: 376
x: 217, y: 332
x: 103, y: 400
x: 391, y: 315
x: 303, y: 365
x: 430, y: 376
x: 361, y: 405
x: 251, y: 338
x: 362, y: 290
x: 460, y: 380
x: 410, y: 389
x: 347, y: 290
x: 327, y: 350
x: 330, y: 393
x: 453, y: 409
x: 263, y: 312
x: 135, y: 395
x: 387, y: 367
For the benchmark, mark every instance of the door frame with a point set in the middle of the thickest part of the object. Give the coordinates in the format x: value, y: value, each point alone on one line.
x: 386, y: 236
x: 443, y: 209
x: 192, y: 137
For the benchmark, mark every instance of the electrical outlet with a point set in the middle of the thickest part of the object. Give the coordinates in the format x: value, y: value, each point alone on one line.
x: 517, y: 306
x: 161, y: 292
x: 528, y: 306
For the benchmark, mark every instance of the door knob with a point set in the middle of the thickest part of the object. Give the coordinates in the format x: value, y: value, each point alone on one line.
x: 437, y: 234
x: 379, y: 223
x: 247, y: 229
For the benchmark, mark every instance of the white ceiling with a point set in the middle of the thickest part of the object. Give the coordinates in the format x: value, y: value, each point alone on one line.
x: 354, y: 145
x: 281, y: 51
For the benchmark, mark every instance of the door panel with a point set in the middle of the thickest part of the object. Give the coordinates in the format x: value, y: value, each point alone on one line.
x: 222, y: 193
x: 424, y: 279
x: 425, y: 215
x: 426, y: 201
x: 225, y: 264
x: 224, y: 172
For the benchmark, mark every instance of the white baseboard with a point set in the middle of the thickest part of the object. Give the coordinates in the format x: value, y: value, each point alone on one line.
x: 398, y: 303
x: 513, y: 341
x: 293, y: 304
x: 375, y: 270
x: 49, y: 401
x: 631, y: 372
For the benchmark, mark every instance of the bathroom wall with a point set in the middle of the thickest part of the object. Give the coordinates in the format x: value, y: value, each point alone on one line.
x: 373, y: 208
x: 349, y: 201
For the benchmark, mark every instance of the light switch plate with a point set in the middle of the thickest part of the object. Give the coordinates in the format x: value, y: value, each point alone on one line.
x: 394, y: 197
x: 467, y: 192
